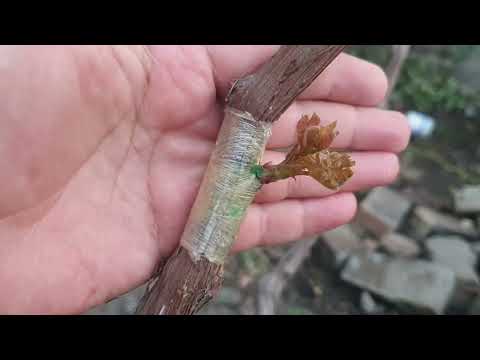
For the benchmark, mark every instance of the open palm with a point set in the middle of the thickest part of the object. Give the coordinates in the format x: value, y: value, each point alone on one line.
x: 102, y: 149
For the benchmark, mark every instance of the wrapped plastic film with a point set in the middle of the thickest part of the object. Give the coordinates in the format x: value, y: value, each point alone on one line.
x: 228, y: 187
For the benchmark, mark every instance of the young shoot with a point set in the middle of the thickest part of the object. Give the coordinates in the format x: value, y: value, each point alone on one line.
x: 312, y: 157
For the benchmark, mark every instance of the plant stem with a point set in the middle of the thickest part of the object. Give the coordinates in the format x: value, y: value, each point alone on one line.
x: 192, y: 276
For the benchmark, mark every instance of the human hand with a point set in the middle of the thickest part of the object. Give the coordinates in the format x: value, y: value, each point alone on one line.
x: 102, y: 150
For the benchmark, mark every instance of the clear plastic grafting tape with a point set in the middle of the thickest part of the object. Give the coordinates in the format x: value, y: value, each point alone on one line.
x: 228, y: 187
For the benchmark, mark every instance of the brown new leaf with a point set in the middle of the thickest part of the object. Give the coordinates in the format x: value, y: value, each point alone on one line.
x: 311, y: 156
x: 311, y: 137
x: 331, y: 169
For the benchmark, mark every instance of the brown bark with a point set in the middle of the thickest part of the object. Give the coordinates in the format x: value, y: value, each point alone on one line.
x: 184, y: 284
x: 268, y: 92
x: 182, y: 287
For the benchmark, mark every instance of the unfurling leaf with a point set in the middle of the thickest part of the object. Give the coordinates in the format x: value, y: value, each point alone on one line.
x: 331, y: 169
x: 311, y: 137
x: 311, y: 156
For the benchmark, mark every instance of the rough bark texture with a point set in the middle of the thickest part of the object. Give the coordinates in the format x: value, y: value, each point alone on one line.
x: 185, y: 285
x: 267, y: 93
x: 182, y: 287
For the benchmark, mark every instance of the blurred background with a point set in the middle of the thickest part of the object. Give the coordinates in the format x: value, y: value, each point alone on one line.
x: 413, y: 246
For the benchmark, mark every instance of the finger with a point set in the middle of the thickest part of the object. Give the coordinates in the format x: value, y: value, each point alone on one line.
x: 289, y: 220
x: 360, y: 128
x: 232, y: 62
x: 347, y: 79
x: 371, y: 169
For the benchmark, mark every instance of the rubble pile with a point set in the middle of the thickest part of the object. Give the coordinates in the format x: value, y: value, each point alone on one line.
x: 410, y: 257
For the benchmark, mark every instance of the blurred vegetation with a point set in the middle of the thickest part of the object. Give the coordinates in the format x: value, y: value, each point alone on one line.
x: 427, y: 82
x: 465, y: 174
x: 254, y: 262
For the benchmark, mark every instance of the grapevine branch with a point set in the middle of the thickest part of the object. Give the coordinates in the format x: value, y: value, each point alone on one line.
x: 194, y: 272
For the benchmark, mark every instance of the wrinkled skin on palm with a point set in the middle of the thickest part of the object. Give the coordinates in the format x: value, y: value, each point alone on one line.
x: 311, y: 157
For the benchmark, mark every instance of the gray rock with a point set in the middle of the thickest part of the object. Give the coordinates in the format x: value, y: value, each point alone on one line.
x: 358, y: 229
x: 369, y: 305
x: 455, y: 253
x: 475, y: 307
x: 399, y: 245
x: 426, y: 219
x: 417, y: 283
x: 383, y: 210
x: 467, y: 199
x: 412, y: 173
x: 476, y: 248
x: 337, y: 245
